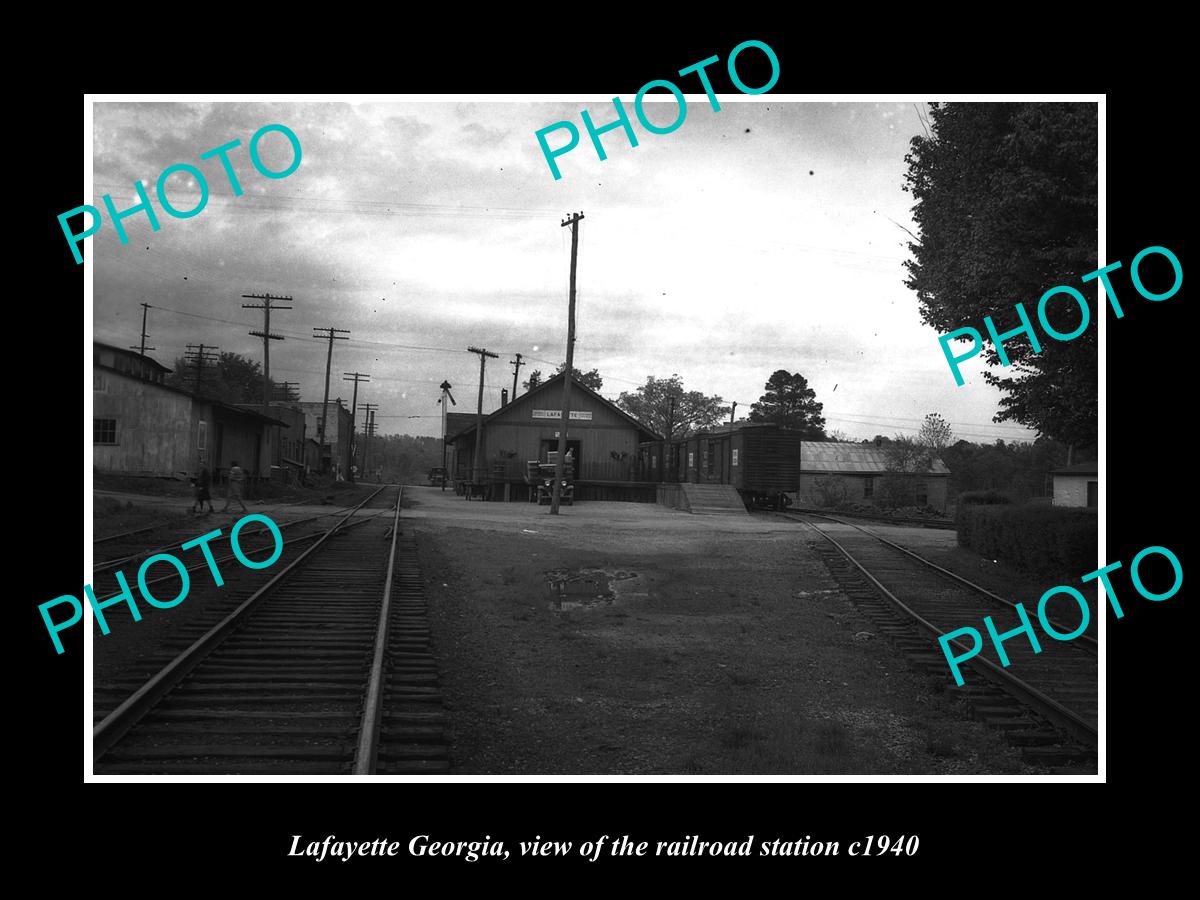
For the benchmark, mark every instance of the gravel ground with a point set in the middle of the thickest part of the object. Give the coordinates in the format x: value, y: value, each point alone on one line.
x: 632, y: 639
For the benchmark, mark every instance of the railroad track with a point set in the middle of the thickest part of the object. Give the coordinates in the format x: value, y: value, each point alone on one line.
x: 326, y: 669
x: 180, y: 533
x: 942, y: 524
x: 1046, y: 704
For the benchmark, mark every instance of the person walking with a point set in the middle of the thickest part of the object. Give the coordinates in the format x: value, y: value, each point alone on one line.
x: 237, y: 479
x: 203, y: 491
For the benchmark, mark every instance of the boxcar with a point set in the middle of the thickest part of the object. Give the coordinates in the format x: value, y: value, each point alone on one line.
x: 761, y: 461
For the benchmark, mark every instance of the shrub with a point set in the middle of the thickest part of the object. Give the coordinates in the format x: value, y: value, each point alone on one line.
x: 1043, y: 539
x: 895, y: 491
x: 830, y: 490
x: 983, y: 498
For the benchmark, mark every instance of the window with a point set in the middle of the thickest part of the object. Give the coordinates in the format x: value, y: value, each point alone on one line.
x: 922, y: 492
x: 104, y: 431
x: 710, y: 456
x: 98, y: 382
x: 734, y: 460
x: 868, y: 487
x: 691, y: 459
x: 202, y: 436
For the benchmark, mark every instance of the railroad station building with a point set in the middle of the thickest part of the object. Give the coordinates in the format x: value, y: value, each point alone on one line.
x: 141, y: 426
x: 837, y: 471
x: 602, y: 441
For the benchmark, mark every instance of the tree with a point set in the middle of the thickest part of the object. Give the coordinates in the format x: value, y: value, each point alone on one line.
x: 535, y: 378
x: 838, y: 435
x: 790, y: 403
x: 903, y: 458
x: 590, y: 379
x: 935, y: 434
x: 905, y: 455
x: 1006, y: 208
x: 651, y: 404
x: 233, y: 378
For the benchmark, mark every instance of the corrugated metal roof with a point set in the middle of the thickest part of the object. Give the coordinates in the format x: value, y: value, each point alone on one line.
x: 1083, y: 468
x: 838, y: 456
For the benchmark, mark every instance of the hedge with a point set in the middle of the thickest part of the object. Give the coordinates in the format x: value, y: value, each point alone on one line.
x: 986, y: 498
x: 1043, y: 539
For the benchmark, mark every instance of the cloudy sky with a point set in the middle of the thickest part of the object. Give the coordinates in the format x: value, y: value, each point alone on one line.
x: 763, y: 236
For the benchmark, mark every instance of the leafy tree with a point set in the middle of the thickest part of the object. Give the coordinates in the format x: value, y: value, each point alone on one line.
x: 535, y: 378
x: 935, y: 433
x: 590, y: 379
x: 789, y: 402
x: 905, y: 455
x: 232, y: 378
x: 1006, y: 208
x: 1017, y: 468
x: 662, y: 405
x: 405, y: 458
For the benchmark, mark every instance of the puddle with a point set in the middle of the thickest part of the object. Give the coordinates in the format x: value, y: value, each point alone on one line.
x: 588, y: 588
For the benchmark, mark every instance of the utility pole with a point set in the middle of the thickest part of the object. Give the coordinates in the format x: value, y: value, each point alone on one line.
x: 483, y: 358
x: 142, y: 348
x: 733, y: 412
x: 201, y: 355
x: 573, y: 221
x: 334, y: 334
x: 516, y: 364
x: 445, y: 386
x: 368, y: 413
x: 267, y: 337
x: 356, y: 377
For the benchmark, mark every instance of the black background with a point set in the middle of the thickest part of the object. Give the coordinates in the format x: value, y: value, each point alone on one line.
x: 246, y: 829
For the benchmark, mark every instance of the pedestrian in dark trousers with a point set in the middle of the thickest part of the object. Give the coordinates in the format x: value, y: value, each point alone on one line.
x: 237, y: 479
x: 203, y: 491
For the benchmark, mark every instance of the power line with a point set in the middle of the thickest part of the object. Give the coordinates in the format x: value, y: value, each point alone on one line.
x: 142, y: 348
x: 334, y: 334
x: 267, y: 337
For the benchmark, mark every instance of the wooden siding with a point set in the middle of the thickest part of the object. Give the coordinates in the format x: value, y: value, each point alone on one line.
x: 157, y: 429
x: 514, y: 437
x: 772, y: 460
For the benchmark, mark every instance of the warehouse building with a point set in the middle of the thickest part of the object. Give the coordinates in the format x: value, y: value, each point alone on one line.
x: 141, y: 426
x: 833, y: 472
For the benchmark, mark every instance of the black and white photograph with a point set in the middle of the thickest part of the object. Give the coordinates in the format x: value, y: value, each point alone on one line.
x: 678, y: 435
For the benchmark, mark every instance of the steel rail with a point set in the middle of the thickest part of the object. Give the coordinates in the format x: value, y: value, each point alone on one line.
x: 125, y: 534
x: 1047, y: 706
x: 1088, y: 642
x: 118, y: 723
x: 939, y: 524
x: 367, y: 752
x: 220, y: 559
x: 105, y: 565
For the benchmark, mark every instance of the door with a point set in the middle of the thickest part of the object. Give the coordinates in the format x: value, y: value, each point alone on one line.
x: 573, y: 447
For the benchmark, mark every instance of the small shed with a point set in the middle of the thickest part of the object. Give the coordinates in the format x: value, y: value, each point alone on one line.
x: 1076, y: 485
